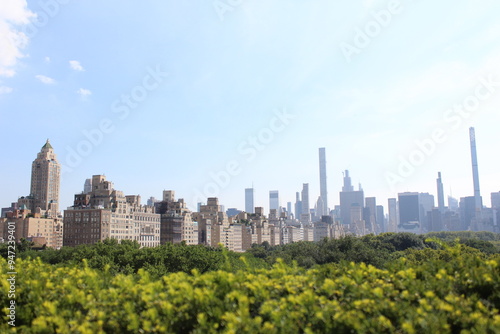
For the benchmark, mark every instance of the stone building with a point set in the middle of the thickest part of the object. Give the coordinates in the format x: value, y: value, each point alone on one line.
x: 107, y: 213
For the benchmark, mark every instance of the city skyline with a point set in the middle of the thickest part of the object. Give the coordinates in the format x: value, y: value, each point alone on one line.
x: 273, y: 195
x: 101, y: 211
x: 249, y: 95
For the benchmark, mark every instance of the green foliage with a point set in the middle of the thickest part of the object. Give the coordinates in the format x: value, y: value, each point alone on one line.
x: 376, y: 250
x: 464, y: 235
x: 402, y: 241
x: 127, y: 257
x: 370, y: 249
x: 23, y: 246
x: 456, y: 289
x: 484, y: 246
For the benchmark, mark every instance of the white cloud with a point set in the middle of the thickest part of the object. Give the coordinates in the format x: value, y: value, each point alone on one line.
x: 75, y: 64
x: 45, y: 80
x: 5, y: 90
x: 13, y: 15
x: 84, y: 92
x: 47, y: 59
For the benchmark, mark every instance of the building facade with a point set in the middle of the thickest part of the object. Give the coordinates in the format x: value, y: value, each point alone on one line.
x: 33, y: 227
x: 177, y: 223
x: 212, y: 221
x: 107, y: 213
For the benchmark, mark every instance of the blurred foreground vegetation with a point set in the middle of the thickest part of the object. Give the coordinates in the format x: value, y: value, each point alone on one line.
x: 127, y: 257
x: 390, y: 283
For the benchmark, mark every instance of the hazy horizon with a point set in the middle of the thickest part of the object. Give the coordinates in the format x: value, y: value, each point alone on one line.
x: 165, y: 95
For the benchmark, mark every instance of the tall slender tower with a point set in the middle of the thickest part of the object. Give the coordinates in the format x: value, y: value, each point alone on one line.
x: 393, y: 215
x: 249, y: 204
x: 475, y: 172
x: 298, y: 206
x: 45, y: 179
x: 440, y: 193
x: 305, y: 198
x: 305, y: 215
x: 322, y: 183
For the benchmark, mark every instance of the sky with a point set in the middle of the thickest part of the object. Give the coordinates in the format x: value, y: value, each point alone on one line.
x: 208, y: 98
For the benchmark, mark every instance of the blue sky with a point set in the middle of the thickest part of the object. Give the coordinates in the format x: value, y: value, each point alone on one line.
x: 208, y: 97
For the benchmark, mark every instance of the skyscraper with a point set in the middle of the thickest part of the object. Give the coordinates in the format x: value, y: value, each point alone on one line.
x: 151, y: 201
x: 45, y: 179
x: 357, y: 225
x: 475, y: 172
x: 347, y: 182
x: 452, y: 204
x: 495, y: 200
x: 87, y: 187
x: 440, y: 193
x: 322, y: 183
x: 393, y: 215
x: 249, y: 205
x: 381, y: 219
x: 467, y: 212
x: 370, y: 214
x: 319, y: 209
x: 298, y: 206
x: 306, y: 215
x: 274, y: 201
x: 350, y: 198
x: 305, y: 198
x: 426, y: 202
x: 495, y: 206
x: 409, y: 207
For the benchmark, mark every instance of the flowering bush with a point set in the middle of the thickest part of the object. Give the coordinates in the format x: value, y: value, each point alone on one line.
x: 458, y: 292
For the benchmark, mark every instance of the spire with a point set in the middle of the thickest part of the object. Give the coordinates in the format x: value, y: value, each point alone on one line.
x: 47, y: 145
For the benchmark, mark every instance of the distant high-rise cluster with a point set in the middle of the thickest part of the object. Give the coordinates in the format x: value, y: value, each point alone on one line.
x: 100, y: 212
